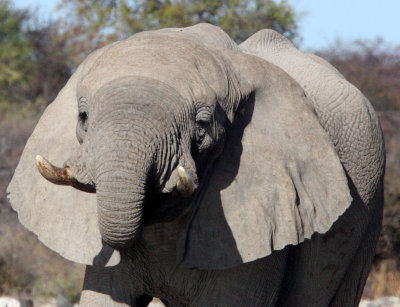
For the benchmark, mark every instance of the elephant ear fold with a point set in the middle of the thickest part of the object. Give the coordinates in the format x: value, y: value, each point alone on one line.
x: 277, y: 182
x: 63, y: 218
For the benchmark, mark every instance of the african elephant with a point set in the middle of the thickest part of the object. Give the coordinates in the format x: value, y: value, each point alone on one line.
x: 207, y: 174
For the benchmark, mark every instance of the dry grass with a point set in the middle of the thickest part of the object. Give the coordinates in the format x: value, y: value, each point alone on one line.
x: 383, y: 280
x: 26, y: 265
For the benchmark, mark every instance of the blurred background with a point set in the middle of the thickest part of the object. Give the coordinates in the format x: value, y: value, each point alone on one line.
x: 42, y: 43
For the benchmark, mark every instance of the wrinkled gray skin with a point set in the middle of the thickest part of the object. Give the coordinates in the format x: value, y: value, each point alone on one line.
x: 287, y: 160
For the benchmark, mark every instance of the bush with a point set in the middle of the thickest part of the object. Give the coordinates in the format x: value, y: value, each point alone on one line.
x: 25, y: 263
x: 374, y: 67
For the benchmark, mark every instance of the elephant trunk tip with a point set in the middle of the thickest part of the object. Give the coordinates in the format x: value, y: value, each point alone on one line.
x: 120, y: 218
x: 123, y: 241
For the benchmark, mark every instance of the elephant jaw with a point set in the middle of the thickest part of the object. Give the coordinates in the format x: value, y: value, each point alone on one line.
x: 124, y: 234
x: 117, y: 236
x: 185, y: 184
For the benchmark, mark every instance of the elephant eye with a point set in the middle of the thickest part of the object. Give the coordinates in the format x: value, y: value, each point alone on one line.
x: 83, y: 119
x: 200, y: 133
x: 203, y: 136
x: 83, y: 116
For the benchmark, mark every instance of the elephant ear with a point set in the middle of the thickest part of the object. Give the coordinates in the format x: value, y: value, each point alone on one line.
x: 277, y: 182
x: 63, y: 218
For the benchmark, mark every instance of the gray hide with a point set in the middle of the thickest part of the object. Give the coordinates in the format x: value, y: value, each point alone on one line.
x: 302, y: 147
x: 305, y: 190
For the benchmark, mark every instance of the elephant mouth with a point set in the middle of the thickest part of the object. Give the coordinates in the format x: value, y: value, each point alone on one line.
x: 120, y: 214
x: 185, y: 184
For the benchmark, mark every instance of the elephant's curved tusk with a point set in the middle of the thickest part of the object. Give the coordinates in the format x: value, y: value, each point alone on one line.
x: 56, y: 175
x: 185, y: 184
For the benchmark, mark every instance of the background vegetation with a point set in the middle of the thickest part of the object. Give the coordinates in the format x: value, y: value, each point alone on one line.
x: 37, y: 58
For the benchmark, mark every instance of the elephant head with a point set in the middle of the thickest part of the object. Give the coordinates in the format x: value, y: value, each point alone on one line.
x: 164, y: 124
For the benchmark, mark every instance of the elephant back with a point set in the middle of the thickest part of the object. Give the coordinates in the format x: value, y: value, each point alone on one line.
x: 342, y: 110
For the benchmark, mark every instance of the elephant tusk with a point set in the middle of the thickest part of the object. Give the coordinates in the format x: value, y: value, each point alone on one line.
x: 56, y: 175
x: 185, y: 184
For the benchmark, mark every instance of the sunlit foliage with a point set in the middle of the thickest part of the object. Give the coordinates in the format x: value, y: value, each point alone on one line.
x: 92, y: 23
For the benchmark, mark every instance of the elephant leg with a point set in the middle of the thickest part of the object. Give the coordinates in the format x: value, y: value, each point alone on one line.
x: 110, y: 286
x: 317, y: 268
x: 252, y: 284
x: 351, y: 289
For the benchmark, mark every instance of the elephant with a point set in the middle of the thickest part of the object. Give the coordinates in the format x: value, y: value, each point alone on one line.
x: 207, y: 173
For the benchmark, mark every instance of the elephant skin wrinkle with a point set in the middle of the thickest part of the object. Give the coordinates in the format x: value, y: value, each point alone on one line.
x: 220, y: 174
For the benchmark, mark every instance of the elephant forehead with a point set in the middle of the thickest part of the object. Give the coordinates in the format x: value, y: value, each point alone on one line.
x: 172, y: 58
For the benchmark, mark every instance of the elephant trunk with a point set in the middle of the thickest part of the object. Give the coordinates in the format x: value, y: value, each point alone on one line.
x: 120, y: 191
x: 126, y: 144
